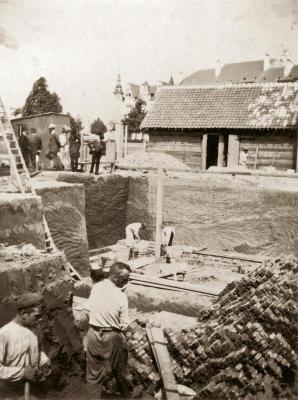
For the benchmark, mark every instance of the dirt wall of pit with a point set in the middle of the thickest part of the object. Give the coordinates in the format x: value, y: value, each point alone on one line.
x: 252, y: 215
x: 21, y: 219
x: 64, y: 209
x: 105, y: 207
x: 221, y: 213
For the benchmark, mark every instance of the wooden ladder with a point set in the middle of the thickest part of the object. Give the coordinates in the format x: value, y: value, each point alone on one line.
x: 21, y: 178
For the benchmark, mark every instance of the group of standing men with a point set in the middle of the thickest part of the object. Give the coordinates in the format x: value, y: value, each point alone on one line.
x: 67, y: 144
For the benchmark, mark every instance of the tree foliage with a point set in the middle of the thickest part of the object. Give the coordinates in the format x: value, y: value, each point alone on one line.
x: 135, y: 116
x: 98, y: 127
x: 41, y: 100
x: 75, y: 124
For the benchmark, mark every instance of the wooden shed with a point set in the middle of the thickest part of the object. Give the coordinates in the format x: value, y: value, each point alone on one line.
x: 40, y: 124
x: 209, y: 125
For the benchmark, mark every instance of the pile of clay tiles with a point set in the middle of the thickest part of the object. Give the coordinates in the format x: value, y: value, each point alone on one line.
x: 245, y: 347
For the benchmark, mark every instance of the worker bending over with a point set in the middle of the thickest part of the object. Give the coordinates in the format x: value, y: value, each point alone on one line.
x: 168, y: 234
x: 20, y: 357
x: 106, y: 346
x: 132, y: 232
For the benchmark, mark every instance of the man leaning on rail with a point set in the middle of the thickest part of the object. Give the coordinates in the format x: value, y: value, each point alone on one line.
x: 106, y: 346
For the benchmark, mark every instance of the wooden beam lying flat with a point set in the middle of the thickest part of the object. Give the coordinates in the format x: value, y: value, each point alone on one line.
x: 198, y: 288
x: 158, y: 345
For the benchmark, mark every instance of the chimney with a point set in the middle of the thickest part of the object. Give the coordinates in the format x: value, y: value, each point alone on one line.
x: 218, y: 68
x: 267, y: 62
x: 288, y: 66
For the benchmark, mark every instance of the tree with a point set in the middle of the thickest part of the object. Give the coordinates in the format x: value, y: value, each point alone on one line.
x: 135, y: 117
x: 75, y: 124
x: 98, y: 127
x: 17, y: 111
x: 41, y: 100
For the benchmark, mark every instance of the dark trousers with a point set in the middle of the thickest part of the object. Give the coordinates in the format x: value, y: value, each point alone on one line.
x: 95, y: 161
x: 15, y: 390
x: 26, y: 157
x: 106, y: 351
x: 74, y: 161
x: 33, y: 159
x: 57, y: 162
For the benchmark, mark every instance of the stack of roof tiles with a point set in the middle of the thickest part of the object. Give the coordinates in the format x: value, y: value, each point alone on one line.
x: 234, y: 106
x: 245, y: 347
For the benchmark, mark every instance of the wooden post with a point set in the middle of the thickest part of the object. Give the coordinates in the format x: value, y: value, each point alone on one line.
x: 204, y: 151
x: 233, y: 151
x: 220, y: 157
x: 297, y: 153
x: 158, y: 216
x: 256, y: 157
x: 125, y: 139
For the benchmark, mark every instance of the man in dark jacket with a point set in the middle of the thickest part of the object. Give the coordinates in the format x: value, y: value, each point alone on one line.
x: 35, y: 147
x: 74, y: 150
x: 25, y: 145
x: 96, y: 148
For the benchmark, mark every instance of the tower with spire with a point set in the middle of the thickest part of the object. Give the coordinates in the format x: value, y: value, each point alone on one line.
x: 118, y: 94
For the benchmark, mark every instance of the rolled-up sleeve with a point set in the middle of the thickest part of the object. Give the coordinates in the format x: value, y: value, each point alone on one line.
x: 10, y: 374
x: 124, y: 319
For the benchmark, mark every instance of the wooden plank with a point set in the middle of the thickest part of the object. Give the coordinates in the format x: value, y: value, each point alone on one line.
x: 174, y: 284
x: 204, y: 152
x: 159, y: 348
x: 140, y: 262
x: 155, y: 286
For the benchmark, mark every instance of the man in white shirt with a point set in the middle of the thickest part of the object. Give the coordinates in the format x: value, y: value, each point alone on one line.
x: 106, y: 346
x: 132, y: 232
x: 20, y: 357
x: 243, y: 157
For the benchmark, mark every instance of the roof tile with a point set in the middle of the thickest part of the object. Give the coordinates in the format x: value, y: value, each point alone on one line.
x: 270, y: 105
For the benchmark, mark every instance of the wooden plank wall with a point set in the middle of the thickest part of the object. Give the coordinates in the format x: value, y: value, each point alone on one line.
x: 279, y: 152
x: 186, y: 148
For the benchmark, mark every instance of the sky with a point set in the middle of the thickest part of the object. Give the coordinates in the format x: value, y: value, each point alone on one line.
x: 80, y: 46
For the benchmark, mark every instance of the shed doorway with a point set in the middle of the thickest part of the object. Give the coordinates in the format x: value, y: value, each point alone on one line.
x: 212, y: 150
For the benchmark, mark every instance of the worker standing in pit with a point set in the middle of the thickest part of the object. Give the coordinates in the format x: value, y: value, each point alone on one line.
x: 20, y: 356
x: 106, y: 347
x: 132, y: 232
x: 168, y: 234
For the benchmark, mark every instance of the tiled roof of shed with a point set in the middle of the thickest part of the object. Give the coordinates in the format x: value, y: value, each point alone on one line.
x: 238, y: 106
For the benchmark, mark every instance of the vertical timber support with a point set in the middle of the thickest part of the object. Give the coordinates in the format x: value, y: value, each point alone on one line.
x: 233, y: 151
x: 204, y: 151
x: 297, y: 151
x: 125, y: 139
x: 158, y: 215
x: 220, y: 156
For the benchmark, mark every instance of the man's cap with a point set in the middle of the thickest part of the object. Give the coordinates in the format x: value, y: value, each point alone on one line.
x: 27, y: 300
x: 25, y: 129
x: 52, y: 126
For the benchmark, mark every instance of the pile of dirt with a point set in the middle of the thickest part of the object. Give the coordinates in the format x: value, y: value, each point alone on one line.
x: 245, y: 347
x: 153, y: 160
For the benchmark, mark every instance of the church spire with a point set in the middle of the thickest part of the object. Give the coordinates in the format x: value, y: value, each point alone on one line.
x: 118, y: 92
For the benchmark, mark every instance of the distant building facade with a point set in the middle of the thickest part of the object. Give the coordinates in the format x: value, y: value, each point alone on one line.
x: 267, y: 70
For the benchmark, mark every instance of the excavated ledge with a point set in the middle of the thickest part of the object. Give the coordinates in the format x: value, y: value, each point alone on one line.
x: 21, y: 219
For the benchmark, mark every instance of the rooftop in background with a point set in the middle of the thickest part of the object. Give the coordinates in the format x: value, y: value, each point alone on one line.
x: 251, y: 71
x: 39, y: 115
x: 238, y: 106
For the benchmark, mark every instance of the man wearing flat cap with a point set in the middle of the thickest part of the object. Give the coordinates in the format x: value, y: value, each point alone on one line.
x: 20, y: 357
